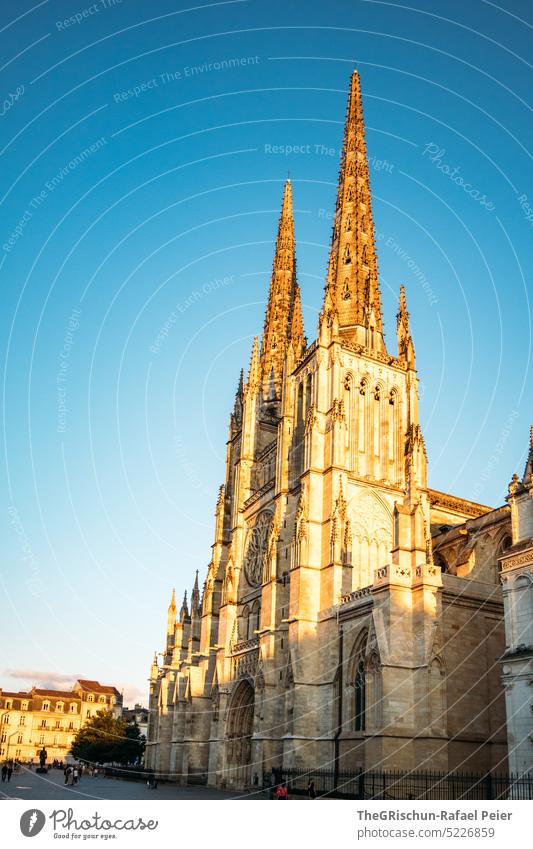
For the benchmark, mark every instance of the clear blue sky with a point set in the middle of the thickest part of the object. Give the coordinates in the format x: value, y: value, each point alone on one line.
x: 141, y: 181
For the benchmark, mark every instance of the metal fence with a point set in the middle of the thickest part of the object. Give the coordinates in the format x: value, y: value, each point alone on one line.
x: 403, y: 785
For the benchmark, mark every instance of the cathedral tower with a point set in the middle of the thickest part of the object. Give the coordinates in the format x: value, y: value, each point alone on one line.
x: 283, y: 319
x: 321, y: 636
x: 352, y: 296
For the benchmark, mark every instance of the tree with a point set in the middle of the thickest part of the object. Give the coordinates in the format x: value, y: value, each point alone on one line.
x: 105, y: 739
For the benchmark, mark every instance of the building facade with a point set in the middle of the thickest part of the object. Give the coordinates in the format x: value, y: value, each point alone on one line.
x: 50, y: 718
x: 351, y: 616
x: 139, y: 715
x: 517, y: 580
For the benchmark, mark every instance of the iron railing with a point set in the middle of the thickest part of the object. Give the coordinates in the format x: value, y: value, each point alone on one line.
x: 404, y: 785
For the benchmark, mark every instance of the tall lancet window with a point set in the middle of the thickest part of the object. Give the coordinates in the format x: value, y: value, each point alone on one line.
x: 244, y: 624
x: 308, y: 393
x: 298, y: 436
x: 348, y: 409
x: 300, y: 405
x: 391, y: 435
x: 361, y: 426
x: 360, y: 696
x: 377, y: 421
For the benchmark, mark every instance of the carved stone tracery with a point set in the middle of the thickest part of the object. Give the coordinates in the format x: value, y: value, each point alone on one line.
x: 257, y: 548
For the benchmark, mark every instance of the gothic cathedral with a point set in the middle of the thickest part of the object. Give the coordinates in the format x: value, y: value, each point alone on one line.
x: 351, y: 616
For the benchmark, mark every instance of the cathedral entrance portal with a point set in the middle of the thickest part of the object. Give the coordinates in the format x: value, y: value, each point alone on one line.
x: 240, y: 726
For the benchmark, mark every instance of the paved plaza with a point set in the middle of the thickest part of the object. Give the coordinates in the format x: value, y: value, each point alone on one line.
x: 28, y: 785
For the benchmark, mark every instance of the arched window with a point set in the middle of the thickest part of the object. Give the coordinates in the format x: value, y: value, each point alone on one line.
x: 298, y: 444
x: 505, y: 543
x: 392, y: 435
x: 253, y: 624
x: 440, y: 562
x: 243, y: 630
x: 437, y: 695
x: 300, y: 405
x: 357, y: 682
x: 308, y: 393
x: 360, y: 696
x: 348, y: 408
x: 361, y: 423
x: 377, y: 426
x: 346, y: 289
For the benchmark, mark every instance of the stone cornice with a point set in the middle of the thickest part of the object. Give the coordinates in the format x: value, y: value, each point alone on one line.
x: 517, y: 560
x: 460, y: 505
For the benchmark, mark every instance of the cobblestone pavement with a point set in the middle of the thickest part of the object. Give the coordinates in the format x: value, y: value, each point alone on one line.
x: 29, y: 785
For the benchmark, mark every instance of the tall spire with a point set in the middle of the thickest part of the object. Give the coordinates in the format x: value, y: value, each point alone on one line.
x: 283, y: 319
x: 171, y: 613
x: 297, y: 333
x: 254, y: 372
x: 184, y: 611
x: 195, y: 597
x: 352, y: 289
x: 236, y: 416
x: 154, y: 668
x: 406, y: 349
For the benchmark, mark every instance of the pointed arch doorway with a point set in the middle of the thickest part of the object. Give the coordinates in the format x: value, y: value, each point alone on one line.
x: 239, y: 730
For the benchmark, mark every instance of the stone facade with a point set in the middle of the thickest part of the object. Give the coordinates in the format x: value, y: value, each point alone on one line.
x: 351, y: 616
x: 50, y: 718
x: 517, y: 580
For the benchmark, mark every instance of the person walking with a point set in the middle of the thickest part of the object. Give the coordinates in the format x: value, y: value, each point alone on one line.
x: 282, y: 792
x: 311, y: 792
x: 4, y: 772
x: 80, y: 771
x: 9, y: 770
x: 75, y: 775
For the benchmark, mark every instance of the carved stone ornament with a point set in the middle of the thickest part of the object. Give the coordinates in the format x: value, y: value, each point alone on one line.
x: 257, y: 548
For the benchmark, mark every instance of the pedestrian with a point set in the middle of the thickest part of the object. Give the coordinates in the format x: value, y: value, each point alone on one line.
x: 70, y: 777
x: 4, y: 772
x: 282, y: 792
x: 80, y: 771
x: 9, y: 770
x: 311, y: 789
x: 75, y: 775
x: 65, y: 773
